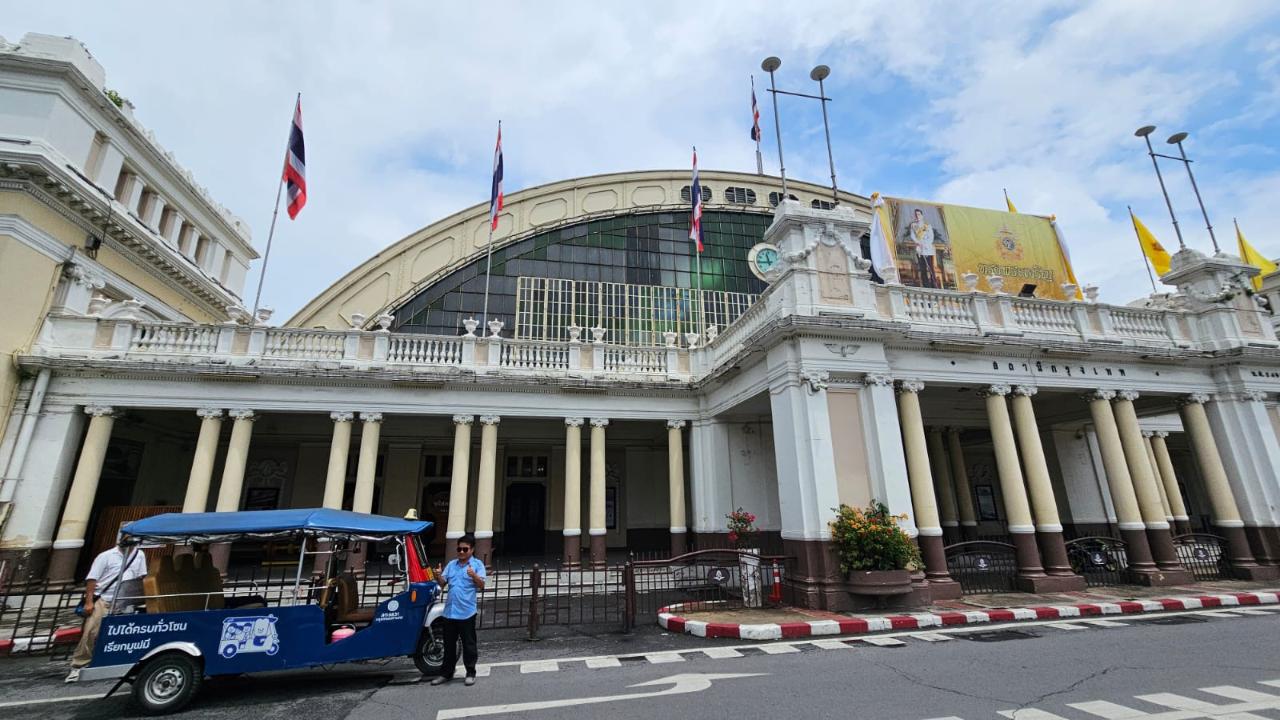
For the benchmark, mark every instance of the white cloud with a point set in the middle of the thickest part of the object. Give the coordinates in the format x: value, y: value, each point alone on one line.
x: 400, y: 103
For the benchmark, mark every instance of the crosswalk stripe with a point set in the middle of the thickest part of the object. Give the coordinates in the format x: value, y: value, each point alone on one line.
x: 482, y: 670
x: 1222, y: 613
x: 1030, y: 714
x: 720, y: 653
x: 603, y: 662
x: 1107, y: 623
x: 1241, y: 694
x: 1108, y: 710
x: 779, y: 649
x: 659, y: 658
x: 1067, y: 626
x: 932, y: 637
x: 1272, y: 683
x: 537, y: 666
x: 883, y: 641
x: 1179, y: 702
x: 1253, y: 611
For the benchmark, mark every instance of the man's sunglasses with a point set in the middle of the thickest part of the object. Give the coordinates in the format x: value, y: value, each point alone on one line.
x: 464, y: 549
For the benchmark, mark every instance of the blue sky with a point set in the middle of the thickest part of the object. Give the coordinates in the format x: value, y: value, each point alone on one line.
x: 942, y: 100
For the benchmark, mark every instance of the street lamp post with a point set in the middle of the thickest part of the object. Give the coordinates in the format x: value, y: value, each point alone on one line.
x: 1176, y: 139
x: 1144, y: 132
x: 770, y: 64
x: 818, y: 74
x: 821, y: 73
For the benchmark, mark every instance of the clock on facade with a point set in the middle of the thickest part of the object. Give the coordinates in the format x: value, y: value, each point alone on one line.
x: 762, y: 258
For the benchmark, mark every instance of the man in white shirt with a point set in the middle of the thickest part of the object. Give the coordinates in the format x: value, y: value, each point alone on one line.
x: 108, y: 579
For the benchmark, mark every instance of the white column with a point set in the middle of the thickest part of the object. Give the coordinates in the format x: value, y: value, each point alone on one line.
x: 335, y: 478
x: 1155, y: 472
x: 485, y: 483
x: 712, y: 488
x: 237, y: 457
x: 807, y: 489
x: 84, y: 486
x: 675, y: 482
x: 366, y: 469
x: 458, y: 483
x: 886, y: 460
x: 46, y: 473
x: 572, y: 490
x: 1170, y: 479
x: 197, y: 495
x: 596, y: 526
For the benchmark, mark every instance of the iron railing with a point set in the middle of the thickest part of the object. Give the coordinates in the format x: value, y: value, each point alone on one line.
x: 983, y: 566
x: 1203, y: 555
x: 1101, y: 561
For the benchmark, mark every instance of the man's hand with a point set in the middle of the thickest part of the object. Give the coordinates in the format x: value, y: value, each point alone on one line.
x: 90, y: 587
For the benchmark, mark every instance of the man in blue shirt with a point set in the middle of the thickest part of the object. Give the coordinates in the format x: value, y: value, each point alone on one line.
x: 463, y: 577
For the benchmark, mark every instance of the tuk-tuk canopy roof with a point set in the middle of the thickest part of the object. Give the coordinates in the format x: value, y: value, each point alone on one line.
x: 270, y: 524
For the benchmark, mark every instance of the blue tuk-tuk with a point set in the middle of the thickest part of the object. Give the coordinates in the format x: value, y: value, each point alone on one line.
x: 184, y: 626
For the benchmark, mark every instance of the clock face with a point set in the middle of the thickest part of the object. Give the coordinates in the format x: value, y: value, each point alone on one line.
x: 762, y: 258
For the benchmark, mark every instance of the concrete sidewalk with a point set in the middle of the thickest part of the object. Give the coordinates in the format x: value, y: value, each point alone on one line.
x: 708, y: 620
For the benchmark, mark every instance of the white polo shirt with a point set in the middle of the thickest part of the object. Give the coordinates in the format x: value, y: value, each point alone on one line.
x: 107, y: 566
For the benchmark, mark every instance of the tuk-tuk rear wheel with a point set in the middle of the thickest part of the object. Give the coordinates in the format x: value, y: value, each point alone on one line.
x: 166, y: 683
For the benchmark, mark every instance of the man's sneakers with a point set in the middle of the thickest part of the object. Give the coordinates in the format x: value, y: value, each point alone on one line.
x: 73, y: 676
x: 439, y: 680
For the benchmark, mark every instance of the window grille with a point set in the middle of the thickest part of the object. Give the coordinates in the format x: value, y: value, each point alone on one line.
x: 687, y: 196
x: 741, y: 196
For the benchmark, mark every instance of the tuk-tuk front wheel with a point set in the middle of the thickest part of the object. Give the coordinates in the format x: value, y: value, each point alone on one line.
x: 166, y: 683
x: 428, y: 656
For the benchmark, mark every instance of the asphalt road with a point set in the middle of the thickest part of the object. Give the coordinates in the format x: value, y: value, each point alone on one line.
x: 1039, y: 669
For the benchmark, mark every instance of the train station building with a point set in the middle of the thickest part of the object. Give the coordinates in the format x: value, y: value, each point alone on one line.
x: 624, y: 394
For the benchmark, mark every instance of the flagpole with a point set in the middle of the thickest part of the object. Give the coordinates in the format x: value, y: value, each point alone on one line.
x: 1006, y: 197
x: 1146, y: 262
x: 266, y: 254
x: 759, y: 157
x: 488, y: 259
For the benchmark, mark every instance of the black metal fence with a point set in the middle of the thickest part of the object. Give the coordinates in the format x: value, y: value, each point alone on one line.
x: 982, y: 566
x: 39, y: 617
x: 1101, y: 561
x: 1203, y: 555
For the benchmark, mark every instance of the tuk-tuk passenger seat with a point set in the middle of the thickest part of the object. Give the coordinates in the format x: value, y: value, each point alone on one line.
x: 348, y: 610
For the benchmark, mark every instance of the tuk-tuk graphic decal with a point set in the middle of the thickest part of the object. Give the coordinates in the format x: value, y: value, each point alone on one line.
x: 255, y: 634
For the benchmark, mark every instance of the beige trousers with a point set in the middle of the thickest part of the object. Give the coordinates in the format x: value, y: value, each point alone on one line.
x: 89, y: 635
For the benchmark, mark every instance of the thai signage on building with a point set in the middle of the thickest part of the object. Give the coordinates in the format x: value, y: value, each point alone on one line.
x: 935, y: 245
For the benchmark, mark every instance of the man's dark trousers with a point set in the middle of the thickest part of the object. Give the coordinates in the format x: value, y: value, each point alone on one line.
x: 453, y: 629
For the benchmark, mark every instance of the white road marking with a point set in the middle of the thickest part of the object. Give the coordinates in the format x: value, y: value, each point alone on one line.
x: 882, y: 641
x: 779, y: 649
x: 932, y: 637
x: 1108, y: 710
x: 1241, y: 694
x: 1106, y: 623
x: 1067, y: 626
x: 720, y: 653
x: 664, y: 657
x: 42, y: 701
x: 1030, y: 714
x: 1254, y: 611
x: 482, y: 671
x: 679, y: 685
x: 831, y: 644
x: 537, y: 666
x: 1222, y: 613
x: 603, y: 662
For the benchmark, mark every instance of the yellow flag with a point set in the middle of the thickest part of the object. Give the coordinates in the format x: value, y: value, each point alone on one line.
x: 1151, y: 247
x: 1009, y: 202
x: 1254, y: 258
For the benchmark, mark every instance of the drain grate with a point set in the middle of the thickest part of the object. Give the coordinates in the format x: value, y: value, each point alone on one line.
x: 998, y: 635
x: 1176, y: 620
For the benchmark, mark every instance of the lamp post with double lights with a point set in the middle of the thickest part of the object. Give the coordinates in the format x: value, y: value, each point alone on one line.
x: 818, y: 75
x: 1176, y: 139
x: 1144, y: 132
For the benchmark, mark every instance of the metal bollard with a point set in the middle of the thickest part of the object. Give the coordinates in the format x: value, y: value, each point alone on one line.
x: 535, y: 585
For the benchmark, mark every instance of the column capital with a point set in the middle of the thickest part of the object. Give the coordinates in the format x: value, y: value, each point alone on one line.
x: 599, y: 422
x: 676, y: 424
x: 998, y: 389
x: 1148, y: 433
x: 341, y: 416
x: 1099, y: 394
x: 242, y: 414
x: 910, y: 386
x: 1253, y: 396
x: 1195, y: 398
x: 99, y: 410
x: 1025, y: 390
x: 463, y: 419
x: 816, y: 380
x: 209, y: 413
x: 880, y: 379
x: 1162, y: 434
x: 574, y: 421
x: 490, y: 419
x: 371, y: 417
x: 1129, y: 395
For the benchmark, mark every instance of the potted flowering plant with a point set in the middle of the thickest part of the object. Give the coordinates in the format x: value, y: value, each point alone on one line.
x: 742, y: 532
x: 876, y: 555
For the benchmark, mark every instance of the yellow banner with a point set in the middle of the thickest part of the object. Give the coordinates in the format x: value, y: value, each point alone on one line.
x: 935, y: 245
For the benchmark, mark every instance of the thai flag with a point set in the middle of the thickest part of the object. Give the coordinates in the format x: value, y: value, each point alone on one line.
x: 295, y: 165
x: 755, y: 113
x: 495, y: 197
x: 695, y: 194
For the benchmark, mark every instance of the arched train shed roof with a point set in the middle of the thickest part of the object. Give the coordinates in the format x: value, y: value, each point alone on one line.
x: 399, y: 272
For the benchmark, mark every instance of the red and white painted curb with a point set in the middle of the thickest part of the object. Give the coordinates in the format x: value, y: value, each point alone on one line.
x: 668, y: 618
